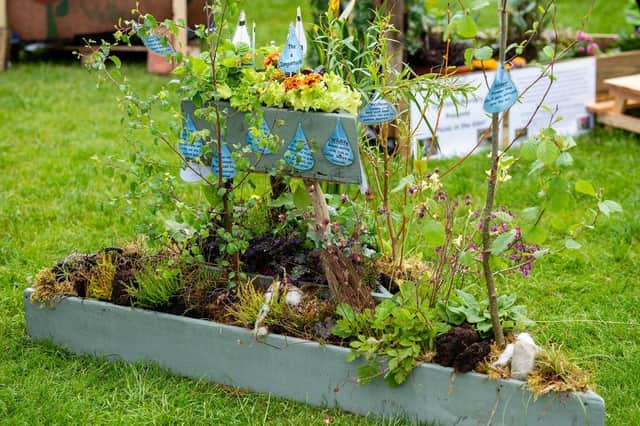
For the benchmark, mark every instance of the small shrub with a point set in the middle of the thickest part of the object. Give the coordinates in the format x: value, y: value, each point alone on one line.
x: 250, y: 301
x: 555, y: 373
x: 101, y: 279
x: 47, y: 288
x: 44, y: 287
x: 156, y: 285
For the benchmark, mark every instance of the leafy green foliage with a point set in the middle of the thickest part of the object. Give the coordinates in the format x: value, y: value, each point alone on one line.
x: 565, y: 208
x: 393, y: 339
x: 465, y: 307
x: 155, y: 285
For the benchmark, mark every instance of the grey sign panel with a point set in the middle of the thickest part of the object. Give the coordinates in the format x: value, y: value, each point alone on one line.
x: 318, y: 129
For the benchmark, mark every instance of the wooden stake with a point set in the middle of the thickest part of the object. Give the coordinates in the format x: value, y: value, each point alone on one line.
x: 345, y: 283
x: 180, y: 12
x: 4, y: 35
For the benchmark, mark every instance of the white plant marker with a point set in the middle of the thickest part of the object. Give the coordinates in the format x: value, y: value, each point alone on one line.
x: 253, y: 43
x: 300, y: 34
x: 241, y: 35
x: 524, y: 355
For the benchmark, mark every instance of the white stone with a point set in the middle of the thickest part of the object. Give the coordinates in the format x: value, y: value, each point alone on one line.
x: 293, y: 296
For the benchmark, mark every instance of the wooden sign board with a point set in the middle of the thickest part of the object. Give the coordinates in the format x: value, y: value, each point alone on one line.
x: 328, y: 151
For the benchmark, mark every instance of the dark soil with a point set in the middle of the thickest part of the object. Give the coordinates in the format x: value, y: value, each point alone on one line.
x: 461, y: 348
x: 430, y: 57
x: 472, y: 355
x: 76, y: 268
x: 124, y: 277
x: 272, y: 255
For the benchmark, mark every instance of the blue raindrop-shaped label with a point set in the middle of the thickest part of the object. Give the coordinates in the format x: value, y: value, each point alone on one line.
x: 338, y: 150
x: 228, y: 165
x: 503, y: 93
x: 154, y: 43
x: 189, y: 151
x: 291, y: 57
x: 298, y: 153
x: 377, y: 111
x: 258, y: 144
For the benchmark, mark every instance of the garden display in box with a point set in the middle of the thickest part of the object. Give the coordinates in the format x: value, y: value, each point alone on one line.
x: 279, y: 275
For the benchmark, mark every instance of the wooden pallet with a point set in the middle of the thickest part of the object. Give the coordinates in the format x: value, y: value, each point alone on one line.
x: 625, y: 95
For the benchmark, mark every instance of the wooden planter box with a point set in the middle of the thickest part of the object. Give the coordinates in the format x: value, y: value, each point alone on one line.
x: 296, y: 369
x: 615, y: 65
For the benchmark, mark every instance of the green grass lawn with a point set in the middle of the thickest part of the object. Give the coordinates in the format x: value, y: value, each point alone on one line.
x: 54, y: 200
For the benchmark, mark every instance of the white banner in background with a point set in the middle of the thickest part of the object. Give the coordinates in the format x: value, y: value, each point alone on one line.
x: 459, y: 129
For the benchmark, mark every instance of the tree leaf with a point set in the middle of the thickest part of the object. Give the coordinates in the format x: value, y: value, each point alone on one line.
x: 466, y: 258
x: 608, y: 206
x: 547, y: 152
x: 585, y: 187
x: 483, y: 53
x: 403, y: 183
x: 466, y: 27
x: 572, y: 244
x: 468, y: 57
x: 530, y: 214
x: 564, y: 159
x: 501, y: 243
x: 301, y: 198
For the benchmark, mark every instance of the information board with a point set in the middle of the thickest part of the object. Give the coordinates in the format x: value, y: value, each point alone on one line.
x: 461, y: 126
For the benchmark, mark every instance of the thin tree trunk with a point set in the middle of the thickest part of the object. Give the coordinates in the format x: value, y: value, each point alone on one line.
x: 491, y: 192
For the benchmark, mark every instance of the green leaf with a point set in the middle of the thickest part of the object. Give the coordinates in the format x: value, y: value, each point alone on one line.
x: 585, y: 187
x: 572, y: 244
x: 483, y: 53
x: 403, y: 183
x: 560, y: 199
x: 501, y: 243
x: 564, y: 159
x: 529, y: 149
x: 466, y: 27
x: 535, y: 166
x: 434, y: 234
x: 547, y: 152
x: 548, y: 51
x: 468, y: 57
x: 116, y: 61
x: 530, y: 214
x: 301, y: 198
x: 607, y: 207
x: 537, y: 235
x: 466, y: 258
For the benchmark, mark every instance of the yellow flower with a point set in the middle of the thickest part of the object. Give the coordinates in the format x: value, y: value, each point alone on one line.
x: 334, y: 7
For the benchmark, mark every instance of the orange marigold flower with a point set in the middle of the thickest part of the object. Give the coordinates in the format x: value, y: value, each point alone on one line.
x: 277, y: 75
x: 271, y: 58
x: 312, y: 78
x: 292, y: 83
